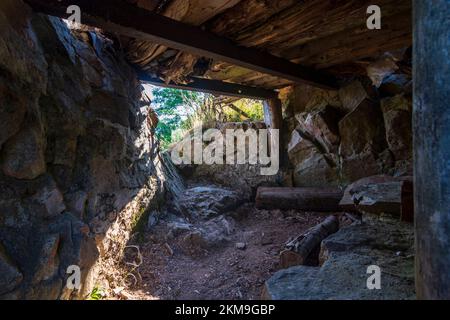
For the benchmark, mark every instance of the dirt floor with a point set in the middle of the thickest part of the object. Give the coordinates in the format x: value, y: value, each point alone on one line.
x: 170, y: 270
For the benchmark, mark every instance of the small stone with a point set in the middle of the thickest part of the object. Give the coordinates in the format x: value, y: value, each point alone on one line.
x: 241, y: 246
x: 118, y: 290
x: 152, y: 220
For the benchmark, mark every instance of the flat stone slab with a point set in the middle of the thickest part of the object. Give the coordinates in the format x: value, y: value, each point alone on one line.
x: 346, y: 255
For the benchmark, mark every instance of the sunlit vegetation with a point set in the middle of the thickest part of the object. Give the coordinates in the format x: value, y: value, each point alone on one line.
x: 180, y: 110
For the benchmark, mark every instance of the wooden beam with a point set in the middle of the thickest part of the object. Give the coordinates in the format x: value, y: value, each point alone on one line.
x: 308, y: 199
x: 274, y: 108
x: 273, y: 117
x: 215, y: 87
x: 431, y: 122
x: 118, y: 17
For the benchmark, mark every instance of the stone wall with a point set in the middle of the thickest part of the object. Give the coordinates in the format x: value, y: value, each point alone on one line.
x: 364, y: 129
x: 243, y: 177
x: 78, y: 161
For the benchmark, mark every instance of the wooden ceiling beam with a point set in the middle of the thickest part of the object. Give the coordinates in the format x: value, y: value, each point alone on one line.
x: 118, y: 17
x: 214, y: 87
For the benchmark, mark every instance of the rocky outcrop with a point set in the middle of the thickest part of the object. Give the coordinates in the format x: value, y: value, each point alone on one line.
x: 362, y: 142
x: 397, y: 113
x: 352, y: 95
x: 346, y: 256
x: 313, y: 146
x: 336, y: 143
x: 78, y: 161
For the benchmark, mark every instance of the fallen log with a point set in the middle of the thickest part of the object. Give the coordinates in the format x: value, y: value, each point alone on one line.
x: 300, y: 248
x: 308, y: 199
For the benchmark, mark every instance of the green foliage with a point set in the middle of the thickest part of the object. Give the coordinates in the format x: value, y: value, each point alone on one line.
x: 180, y: 110
x: 173, y: 106
x: 254, y: 109
x: 96, y: 294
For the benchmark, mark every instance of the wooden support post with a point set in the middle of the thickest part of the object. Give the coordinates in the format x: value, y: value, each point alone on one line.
x: 273, y: 117
x: 431, y: 120
x: 273, y: 107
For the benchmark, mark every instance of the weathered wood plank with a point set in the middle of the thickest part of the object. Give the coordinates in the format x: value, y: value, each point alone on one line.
x: 234, y: 19
x: 193, y: 12
x: 246, y: 14
x: 150, y: 5
x: 308, y: 199
x: 353, y: 44
x: 115, y: 17
x: 313, y: 20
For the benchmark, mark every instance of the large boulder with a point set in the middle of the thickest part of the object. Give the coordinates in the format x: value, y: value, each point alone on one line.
x: 23, y: 155
x: 347, y: 203
x: 378, y: 70
x: 306, y: 98
x: 209, y: 235
x: 381, y: 194
x: 398, y: 123
x: 395, y: 84
x: 316, y: 170
x: 299, y: 147
x: 321, y: 127
x: 346, y: 256
x: 362, y: 142
x: 208, y: 201
x: 313, y: 147
x: 352, y: 95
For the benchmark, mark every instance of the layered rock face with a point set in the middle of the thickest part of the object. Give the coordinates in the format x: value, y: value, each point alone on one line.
x: 337, y: 137
x: 78, y: 162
